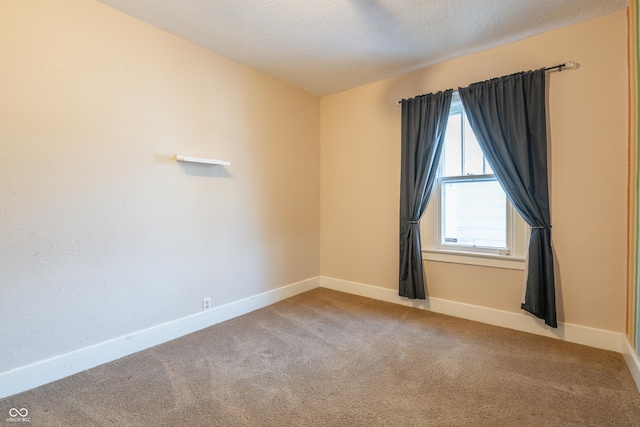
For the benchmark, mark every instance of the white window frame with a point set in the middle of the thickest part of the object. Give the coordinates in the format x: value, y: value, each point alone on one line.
x: 433, y: 249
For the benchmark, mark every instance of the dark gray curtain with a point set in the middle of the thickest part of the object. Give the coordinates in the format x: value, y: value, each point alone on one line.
x: 508, y: 117
x: 424, y: 122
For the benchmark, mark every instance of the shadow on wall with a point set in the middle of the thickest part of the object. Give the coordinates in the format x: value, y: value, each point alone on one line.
x: 203, y: 169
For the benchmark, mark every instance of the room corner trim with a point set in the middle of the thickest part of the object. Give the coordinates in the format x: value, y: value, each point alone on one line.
x: 633, y: 362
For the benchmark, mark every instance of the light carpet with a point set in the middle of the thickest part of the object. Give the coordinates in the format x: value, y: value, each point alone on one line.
x: 325, y: 358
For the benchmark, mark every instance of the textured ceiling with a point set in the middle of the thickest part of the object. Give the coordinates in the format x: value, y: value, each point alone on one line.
x: 326, y: 46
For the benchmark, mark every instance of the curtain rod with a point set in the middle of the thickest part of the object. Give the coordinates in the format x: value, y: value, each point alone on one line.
x: 569, y: 65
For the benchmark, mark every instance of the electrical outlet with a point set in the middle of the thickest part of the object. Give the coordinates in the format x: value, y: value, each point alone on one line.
x: 206, y: 303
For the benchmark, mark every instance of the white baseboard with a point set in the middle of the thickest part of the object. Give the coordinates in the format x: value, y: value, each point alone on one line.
x: 633, y: 362
x: 591, y: 337
x: 52, y: 369
x: 55, y: 368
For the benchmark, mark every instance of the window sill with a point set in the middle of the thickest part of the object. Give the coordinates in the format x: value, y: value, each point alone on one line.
x: 485, y: 260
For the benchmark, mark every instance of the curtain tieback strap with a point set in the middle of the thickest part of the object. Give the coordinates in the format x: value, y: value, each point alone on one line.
x: 406, y: 236
x: 538, y: 226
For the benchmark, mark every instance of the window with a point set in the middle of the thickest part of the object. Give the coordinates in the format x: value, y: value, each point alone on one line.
x: 469, y: 214
x: 473, y: 214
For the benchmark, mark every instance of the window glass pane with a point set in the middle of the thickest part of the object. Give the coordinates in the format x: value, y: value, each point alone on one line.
x: 452, y: 146
x: 474, y: 213
x: 473, y: 157
x: 487, y: 167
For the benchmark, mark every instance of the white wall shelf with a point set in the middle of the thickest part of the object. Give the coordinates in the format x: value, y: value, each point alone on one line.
x: 202, y: 160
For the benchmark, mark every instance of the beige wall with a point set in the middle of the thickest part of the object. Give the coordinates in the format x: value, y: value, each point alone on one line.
x: 360, y: 157
x: 102, y: 232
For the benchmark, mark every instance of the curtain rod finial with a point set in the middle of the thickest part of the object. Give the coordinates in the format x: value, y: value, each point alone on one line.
x: 572, y: 65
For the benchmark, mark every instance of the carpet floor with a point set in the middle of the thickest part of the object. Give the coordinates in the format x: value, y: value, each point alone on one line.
x: 325, y: 358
